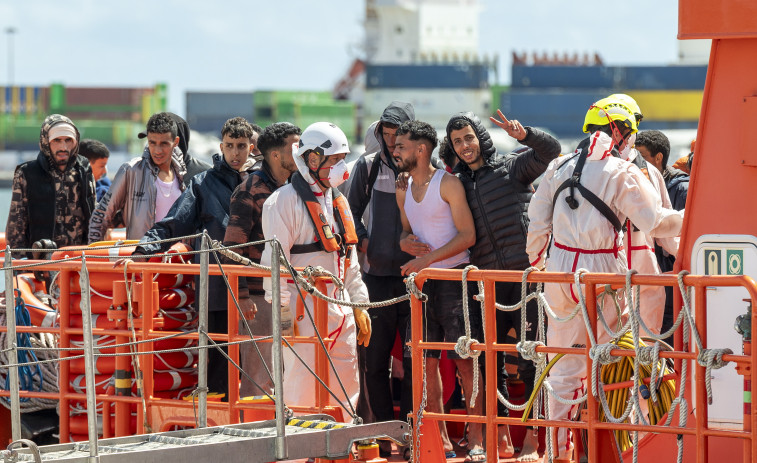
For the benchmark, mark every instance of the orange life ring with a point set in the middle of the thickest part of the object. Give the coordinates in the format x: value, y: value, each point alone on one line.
x: 104, y: 343
x: 97, y: 304
x: 172, y: 380
x: 112, y: 253
x: 168, y: 361
x: 165, y: 280
x: 78, y: 383
x: 180, y: 317
x: 174, y: 360
x: 39, y: 313
x: 98, y: 321
x: 174, y: 343
x: 172, y: 298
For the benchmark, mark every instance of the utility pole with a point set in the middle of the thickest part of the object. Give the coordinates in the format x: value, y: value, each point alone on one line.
x: 10, y: 31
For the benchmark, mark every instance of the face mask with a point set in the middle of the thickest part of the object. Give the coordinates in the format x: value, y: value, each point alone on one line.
x: 626, y: 150
x: 338, y: 174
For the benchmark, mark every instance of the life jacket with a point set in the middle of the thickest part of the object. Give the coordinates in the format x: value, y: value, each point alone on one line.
x: 574, y: 183
x: 326, y: 239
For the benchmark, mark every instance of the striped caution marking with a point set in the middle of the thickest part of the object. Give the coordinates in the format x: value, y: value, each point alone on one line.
x: 315, y: 424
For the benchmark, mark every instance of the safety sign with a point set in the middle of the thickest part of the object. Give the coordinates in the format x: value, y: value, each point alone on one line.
x: 712, y: 262
x: 734, y: 262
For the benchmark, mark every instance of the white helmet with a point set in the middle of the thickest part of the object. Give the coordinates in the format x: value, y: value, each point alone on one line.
x: 322, y: 137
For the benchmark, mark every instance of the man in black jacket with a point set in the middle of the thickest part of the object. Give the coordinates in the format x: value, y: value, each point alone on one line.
x: 373, y: 203
x: 204, y: 205
x: 498, y: 189
x: 53, y: 195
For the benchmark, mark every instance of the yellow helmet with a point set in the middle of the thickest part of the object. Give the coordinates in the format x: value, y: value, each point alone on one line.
x: 609, y: 110
x: 631, y: 103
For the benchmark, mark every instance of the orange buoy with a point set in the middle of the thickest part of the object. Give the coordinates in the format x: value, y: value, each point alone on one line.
x: 98, y: 321
x: 99, y: 304
x: 40, y: 314
x: 172, y: 298
x: 180, y: 317
x: 174, y: 360
x: 172, y: 380
x: 78, y: 383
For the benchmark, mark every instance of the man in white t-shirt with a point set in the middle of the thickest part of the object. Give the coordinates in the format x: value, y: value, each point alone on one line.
x: 146, y: 187
x: 437, y: 228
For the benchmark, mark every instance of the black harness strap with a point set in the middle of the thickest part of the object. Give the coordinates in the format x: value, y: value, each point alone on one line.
x: 574, y: 182
x: 306, y: 194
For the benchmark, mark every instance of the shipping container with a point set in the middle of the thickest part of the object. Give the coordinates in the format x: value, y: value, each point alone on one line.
x: 610, y: 77
x: 208, y: 111
x: 562, y: 111
x: 434, y: 106
x: 427, y: 76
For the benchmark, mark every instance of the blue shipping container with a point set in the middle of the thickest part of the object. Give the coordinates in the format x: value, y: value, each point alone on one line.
x: 427, y: 76
x: 561, y: 112
x: 610, y: 77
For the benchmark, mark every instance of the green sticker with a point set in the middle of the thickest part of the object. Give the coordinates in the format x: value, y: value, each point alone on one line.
x: 747, y: 397
x: 734, y: 262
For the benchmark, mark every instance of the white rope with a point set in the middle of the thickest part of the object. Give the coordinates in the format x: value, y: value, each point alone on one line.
x: 464, y: 343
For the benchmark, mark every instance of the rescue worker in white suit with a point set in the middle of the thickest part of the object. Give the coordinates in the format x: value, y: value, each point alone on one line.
x: 639, y: 246
x: 312, y: 221
x: 581, y: 204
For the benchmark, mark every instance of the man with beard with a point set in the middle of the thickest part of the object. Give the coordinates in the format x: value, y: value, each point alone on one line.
x: 276, y: 143
x: 437, y: 228
x: 53, y: 195
x: 498, y: 189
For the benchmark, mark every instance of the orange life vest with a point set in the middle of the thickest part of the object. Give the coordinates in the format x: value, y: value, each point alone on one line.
x: 326, y: 239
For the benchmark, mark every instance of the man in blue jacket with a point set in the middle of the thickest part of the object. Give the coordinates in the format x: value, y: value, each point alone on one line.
x: 498, y: 189
x: 204, y: 205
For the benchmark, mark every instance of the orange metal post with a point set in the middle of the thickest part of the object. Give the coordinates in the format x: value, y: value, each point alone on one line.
x: 231, y: 330
x: 322, y: 368
x: 490, y: 383
x: 591, y: 404
x: 64, y: 280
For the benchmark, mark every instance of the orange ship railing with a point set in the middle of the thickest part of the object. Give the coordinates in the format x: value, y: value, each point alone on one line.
x: 219, y: 412
x: 597, y: 450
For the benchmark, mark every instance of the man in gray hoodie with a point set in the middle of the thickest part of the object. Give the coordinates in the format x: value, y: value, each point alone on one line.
x: 371, y: 196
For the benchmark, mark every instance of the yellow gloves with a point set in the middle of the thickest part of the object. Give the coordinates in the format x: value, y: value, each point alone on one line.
x: 363, y: 324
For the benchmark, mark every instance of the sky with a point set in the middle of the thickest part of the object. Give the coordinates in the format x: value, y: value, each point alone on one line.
x: 250, y: 45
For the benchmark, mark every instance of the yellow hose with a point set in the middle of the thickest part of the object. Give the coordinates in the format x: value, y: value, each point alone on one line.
x: 619, y: 372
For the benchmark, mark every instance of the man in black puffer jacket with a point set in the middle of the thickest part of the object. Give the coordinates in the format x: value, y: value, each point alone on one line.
x: 204, y: 205
x: 498, y: 189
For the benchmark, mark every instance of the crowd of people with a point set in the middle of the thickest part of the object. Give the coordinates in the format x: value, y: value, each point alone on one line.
x: 612, y: 205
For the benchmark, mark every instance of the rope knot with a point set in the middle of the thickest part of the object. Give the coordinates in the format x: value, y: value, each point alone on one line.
x: 601, y: 354
x: 463, y: 347
x: 527, y: 349
x: 413, y: 289
x: 648, y: 355
x: 713, y: 358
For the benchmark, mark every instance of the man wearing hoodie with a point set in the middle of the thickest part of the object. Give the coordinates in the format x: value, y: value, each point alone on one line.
x: 53, y: 195
x: 204, y: 205
x: 498, y: 189
x: 193, y: 165
x: 372, y: 198
x: 144, y: 188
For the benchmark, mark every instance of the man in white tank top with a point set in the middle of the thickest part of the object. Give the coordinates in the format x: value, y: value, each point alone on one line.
x: 438, y: 230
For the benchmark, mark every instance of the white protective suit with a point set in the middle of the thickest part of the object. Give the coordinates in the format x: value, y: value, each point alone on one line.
x: 641, y: 257
x: 584, y: 238
x: 285, y: 217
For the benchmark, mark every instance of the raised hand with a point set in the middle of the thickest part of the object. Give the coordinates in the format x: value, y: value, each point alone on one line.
x: 513, y: 127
